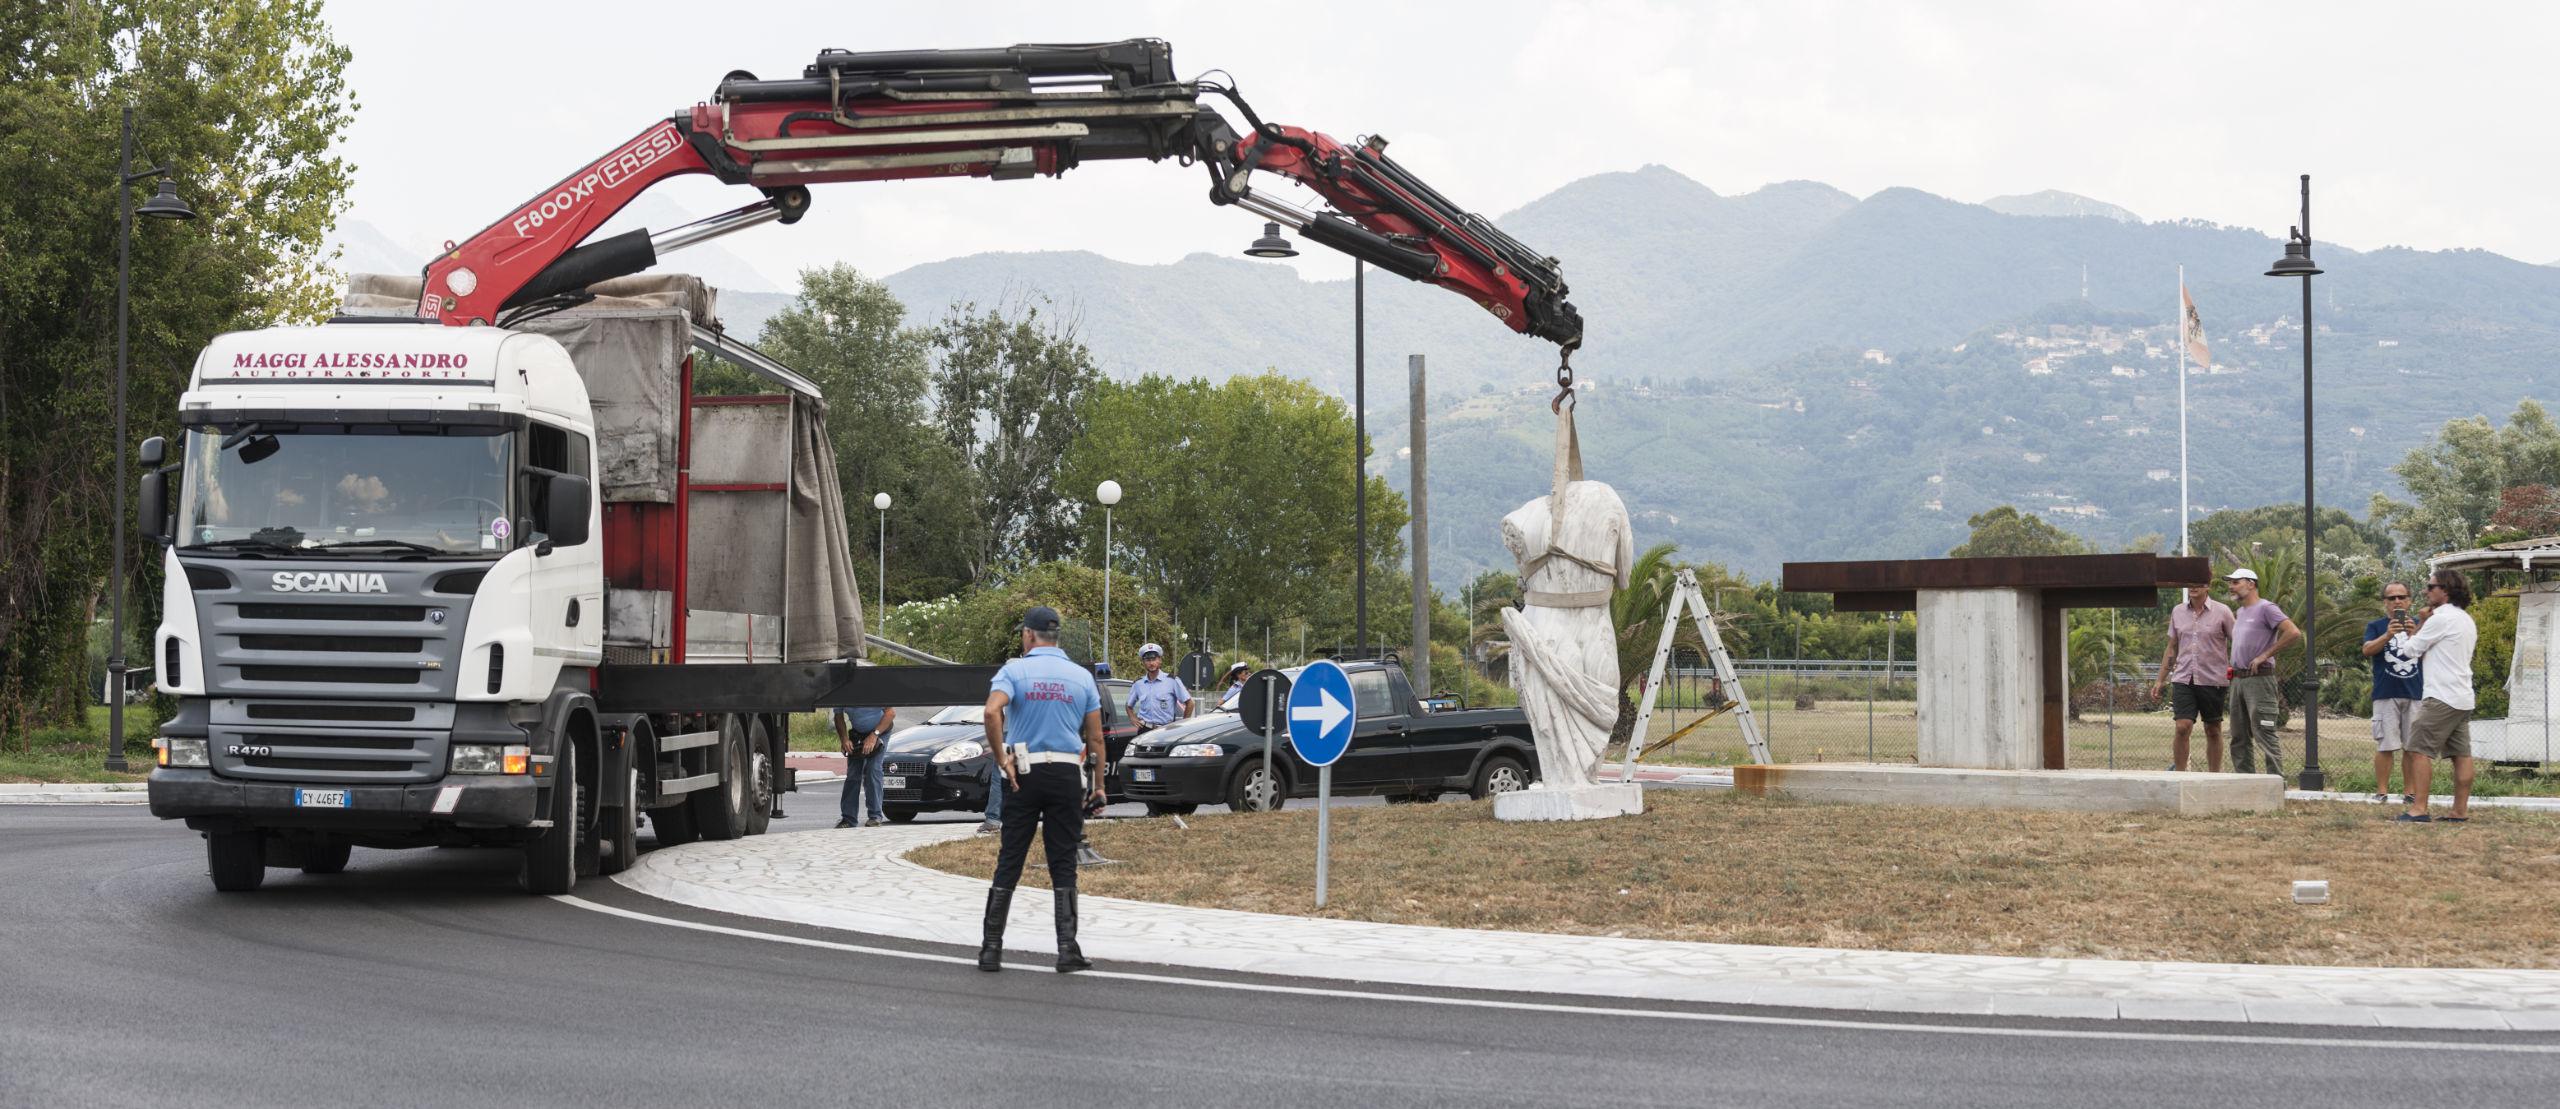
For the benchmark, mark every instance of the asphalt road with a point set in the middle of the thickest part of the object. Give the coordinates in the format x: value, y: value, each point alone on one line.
x: 424, y: 977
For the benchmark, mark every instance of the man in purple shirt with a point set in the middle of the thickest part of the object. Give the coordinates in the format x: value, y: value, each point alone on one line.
x: 2198, y: 661
x: 2259, y: 632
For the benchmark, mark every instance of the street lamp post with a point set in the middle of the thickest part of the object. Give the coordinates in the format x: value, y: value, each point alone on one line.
x: 881, y: 501
x: 1272, y: 245
x: 164, y: 204
x: 2297, y: 263
x: 1109, y: 494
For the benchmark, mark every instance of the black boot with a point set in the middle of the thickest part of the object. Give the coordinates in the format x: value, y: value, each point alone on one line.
x: 1070, y: 957
x: 991, y: 949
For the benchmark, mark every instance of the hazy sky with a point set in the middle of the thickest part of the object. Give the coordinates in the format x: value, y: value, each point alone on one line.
x: 2422, y: 125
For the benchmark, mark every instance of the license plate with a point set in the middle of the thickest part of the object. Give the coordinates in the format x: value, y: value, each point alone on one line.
x: 320, y: 799
x: 1142, y: 775
x: 893, y: 781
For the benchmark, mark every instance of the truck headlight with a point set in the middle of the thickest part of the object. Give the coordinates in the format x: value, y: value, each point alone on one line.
x: 490, y: 758
x: 1195, y: 751
x: 182, y: 752
x: 967, y: 749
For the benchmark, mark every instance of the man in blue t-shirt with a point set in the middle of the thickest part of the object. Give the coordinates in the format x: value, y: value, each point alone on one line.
x: 863, y: 735
x: 1044, y: 723
x: 2398, y: 687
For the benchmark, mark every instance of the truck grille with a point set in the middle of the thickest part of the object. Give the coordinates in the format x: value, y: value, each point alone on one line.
x: 333, y: 644
x: 383, y: 714
x: 382, y: 614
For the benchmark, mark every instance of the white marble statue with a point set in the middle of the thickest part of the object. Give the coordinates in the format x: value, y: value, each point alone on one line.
x: 1575, y: 547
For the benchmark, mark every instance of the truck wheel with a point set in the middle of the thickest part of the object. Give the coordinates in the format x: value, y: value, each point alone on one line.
x: 763, y: 778
x: 238, y: 860
x: 1500, y: 774
x: 673, y: 825
x: 1157, y: 808
x: 326, y: 855
x: 551, y: 862
x: 619, y: 834
x: 721, y: 811
x: 1253, y: 791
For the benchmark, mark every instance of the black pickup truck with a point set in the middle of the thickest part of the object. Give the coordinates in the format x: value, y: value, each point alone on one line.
x: 1397, y: 749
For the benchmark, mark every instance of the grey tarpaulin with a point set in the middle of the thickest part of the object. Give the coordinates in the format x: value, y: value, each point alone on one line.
x: 630, y: 344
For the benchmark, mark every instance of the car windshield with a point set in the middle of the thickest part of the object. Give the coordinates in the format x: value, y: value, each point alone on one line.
x: 443, y: 490
x: 960, y: 714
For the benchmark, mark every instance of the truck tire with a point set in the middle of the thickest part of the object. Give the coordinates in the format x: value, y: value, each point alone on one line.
x: 326, y: 855
x: 551, y: 862
x: 238, y: 860
x: 764, y: 777
x: 673, y: 825
x: 1499, y: 774
x: 721, y: 812
x: 1249, y: 791
x: 618, y: 832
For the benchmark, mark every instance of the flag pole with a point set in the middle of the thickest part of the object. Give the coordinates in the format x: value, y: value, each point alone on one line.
x: 2182, y: 412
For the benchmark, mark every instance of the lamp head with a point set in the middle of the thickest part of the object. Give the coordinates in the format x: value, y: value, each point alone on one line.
x: 1271, y: 245
x: 2297, y: 258
x: 1108, y: 493
x: 165, y: 204
x: 880, y: 501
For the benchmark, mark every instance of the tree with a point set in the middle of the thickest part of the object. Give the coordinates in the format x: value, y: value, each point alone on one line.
x: 847, y: 334
x: 243, y: 100
x: 1009, y: 393
x: 2004, y: 532
x: 1221, y: 509
x: 2457, y: 481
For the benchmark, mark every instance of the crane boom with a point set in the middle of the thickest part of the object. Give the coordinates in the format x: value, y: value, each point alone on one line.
x: 1005, y: 114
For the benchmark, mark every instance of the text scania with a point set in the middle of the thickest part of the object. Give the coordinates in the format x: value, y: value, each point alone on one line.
x: 609, y: 173
x: 315, y: 581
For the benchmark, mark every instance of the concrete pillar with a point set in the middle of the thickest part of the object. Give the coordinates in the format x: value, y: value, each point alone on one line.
x: 1981, y: 663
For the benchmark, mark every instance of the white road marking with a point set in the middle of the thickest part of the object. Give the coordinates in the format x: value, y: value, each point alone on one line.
x: 1601, y: 1010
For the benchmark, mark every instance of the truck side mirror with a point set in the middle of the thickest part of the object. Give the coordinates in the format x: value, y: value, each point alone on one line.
x: 151, y: 506
x: 564, y: 522
x: 155, y: 450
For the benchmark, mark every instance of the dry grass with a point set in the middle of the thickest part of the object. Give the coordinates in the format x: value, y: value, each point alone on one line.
x: 1736, y: 869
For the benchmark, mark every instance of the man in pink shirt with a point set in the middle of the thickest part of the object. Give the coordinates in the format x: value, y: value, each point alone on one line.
x: 2198, y: 663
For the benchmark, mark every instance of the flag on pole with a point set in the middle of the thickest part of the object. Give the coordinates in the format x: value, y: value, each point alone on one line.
x: 2191, y: 331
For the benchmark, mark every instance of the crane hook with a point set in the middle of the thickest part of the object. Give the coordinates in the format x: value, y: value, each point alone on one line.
x: 1564, y: 383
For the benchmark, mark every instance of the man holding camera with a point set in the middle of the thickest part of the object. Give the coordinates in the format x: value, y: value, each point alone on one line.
x: 2397, y: 687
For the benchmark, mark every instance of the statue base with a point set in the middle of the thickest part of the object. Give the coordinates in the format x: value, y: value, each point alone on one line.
x: 1592, y: 802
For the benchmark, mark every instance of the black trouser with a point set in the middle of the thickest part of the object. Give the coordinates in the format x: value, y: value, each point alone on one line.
x: 1052, y: 797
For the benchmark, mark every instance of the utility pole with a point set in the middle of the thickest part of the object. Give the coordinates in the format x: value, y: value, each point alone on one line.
x: 1419, y: 669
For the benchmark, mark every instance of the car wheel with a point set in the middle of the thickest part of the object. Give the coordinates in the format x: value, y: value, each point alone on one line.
x: 1500, y: 774
x: 902, y: 816
x: 238, y: 860
x: 1251, y: 790
x: 1158, y: 808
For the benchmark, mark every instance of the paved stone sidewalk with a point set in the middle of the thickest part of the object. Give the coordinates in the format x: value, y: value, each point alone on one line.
x: 855, y: 880
x: 74, y: 793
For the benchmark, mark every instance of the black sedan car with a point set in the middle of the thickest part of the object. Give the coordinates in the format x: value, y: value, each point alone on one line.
x: 1398, y: 749
x: 942, y: 765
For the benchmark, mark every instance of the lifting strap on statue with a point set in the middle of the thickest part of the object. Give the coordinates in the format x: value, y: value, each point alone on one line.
x: 1568, y: 470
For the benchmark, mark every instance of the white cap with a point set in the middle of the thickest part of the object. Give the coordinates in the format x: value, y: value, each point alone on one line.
x: 2242, y: 574
x: 1149, y: 649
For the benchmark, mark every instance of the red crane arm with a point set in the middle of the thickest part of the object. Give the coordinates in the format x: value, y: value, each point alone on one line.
x: 1005, y: 114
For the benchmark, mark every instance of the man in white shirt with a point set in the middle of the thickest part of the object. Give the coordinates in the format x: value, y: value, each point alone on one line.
x: 2443, y: 725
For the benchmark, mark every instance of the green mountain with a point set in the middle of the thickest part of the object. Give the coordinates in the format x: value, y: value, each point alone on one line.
x: 1797, y: 373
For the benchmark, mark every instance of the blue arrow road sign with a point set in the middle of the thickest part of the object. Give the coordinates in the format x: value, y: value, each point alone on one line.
x: 1320, y: 713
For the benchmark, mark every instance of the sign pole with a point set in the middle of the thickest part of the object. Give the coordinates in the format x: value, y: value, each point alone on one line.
x: 1324, y: 826
x: 1270, y: 726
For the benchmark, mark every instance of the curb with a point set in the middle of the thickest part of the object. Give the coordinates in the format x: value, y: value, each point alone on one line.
x: 74, y: 793
x: 865, y: 884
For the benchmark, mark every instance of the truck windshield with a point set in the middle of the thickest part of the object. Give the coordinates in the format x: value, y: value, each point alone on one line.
x: 304, y: 487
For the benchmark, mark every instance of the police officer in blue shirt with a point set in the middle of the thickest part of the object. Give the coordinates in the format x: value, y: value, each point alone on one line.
x: 1044, y: 722
x: 1157, y: 698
